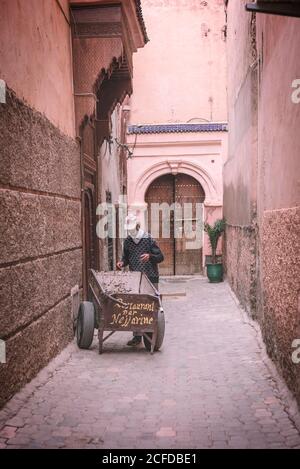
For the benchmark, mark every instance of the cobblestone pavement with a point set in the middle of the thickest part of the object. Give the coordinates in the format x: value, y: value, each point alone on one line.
x: 211, y: 386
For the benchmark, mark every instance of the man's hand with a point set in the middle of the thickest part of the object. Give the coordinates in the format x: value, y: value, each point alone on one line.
x: 120, y: 265
x: 145, y: 258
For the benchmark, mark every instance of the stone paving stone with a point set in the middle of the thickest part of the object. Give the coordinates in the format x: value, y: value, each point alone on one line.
x: 21, y: 439
x: 2, y: 443
x: 16, y: 422
x: 8, y: 432
x: 292, y: 441
x: 166, y: 432
x: 208, y: 387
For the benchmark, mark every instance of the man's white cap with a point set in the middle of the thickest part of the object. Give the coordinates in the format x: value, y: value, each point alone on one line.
x: 130, y: 222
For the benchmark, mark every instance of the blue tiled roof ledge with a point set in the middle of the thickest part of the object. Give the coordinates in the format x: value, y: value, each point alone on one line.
x: 177, y: 128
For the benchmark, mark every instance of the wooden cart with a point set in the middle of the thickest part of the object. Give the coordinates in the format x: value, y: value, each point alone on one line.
x: 121, y: 301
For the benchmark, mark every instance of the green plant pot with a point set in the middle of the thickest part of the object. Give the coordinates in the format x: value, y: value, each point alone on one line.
x: 215, y: 273
x: 208, y: 259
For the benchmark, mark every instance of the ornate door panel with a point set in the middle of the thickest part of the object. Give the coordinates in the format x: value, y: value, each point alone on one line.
x: 162, y: 191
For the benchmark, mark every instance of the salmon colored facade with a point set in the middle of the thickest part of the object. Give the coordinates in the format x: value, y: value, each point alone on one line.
x: 261, y: 177
x: 47, y: 88
x: 178, y: 108
x: 67, y: 67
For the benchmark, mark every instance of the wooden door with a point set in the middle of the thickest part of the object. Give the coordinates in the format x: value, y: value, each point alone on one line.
x: 188, y: 246
x: 182, y: 252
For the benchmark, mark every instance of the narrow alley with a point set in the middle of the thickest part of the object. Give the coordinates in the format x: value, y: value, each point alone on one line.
x: 210, y: 386
x: 149, y: 210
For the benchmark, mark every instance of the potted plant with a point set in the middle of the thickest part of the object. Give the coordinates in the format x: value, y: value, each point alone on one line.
x: 215, y: 269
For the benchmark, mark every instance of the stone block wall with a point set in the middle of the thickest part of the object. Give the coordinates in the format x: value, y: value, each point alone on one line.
x: 40, y: 240
x: 240, y: 264
x: 280, y: 320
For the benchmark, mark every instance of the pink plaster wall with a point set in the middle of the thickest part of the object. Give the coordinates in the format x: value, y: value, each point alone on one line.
x: 36, y: 63
x: 261, y: 177
x: 240, y: 169
x: 279, y: 142
x: 181, y: 73
x: 198, y: 154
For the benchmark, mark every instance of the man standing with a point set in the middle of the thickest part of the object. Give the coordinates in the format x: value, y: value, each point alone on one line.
x: 142, y: 254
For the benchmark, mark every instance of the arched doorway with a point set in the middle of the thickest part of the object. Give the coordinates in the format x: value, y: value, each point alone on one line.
x: 183, y: 256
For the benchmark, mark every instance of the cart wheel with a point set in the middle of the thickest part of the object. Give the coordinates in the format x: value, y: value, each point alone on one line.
x: 85, y: 325
x: 160, y: 334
